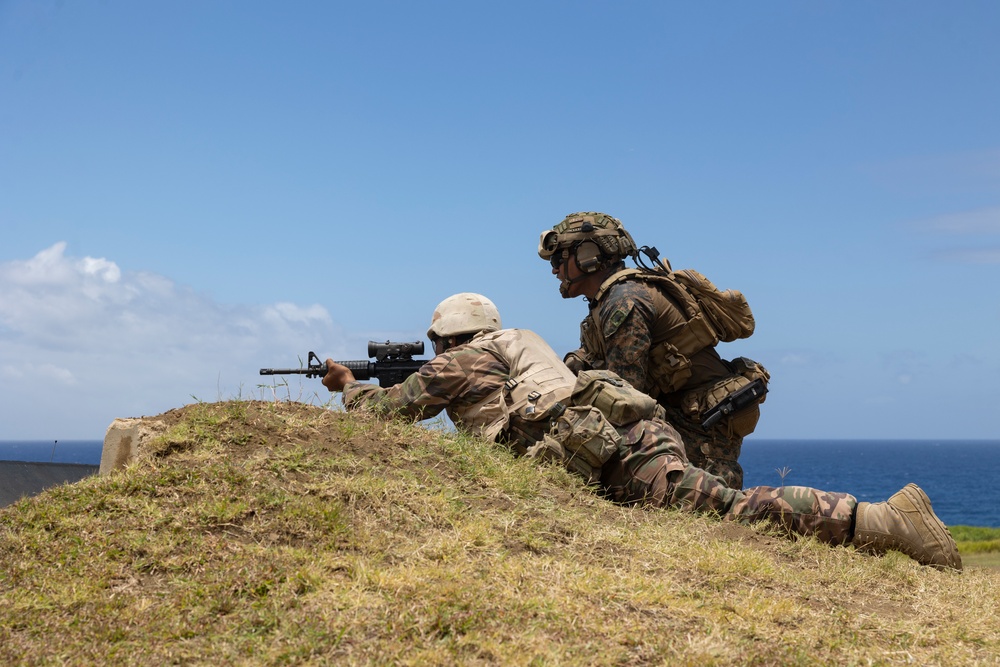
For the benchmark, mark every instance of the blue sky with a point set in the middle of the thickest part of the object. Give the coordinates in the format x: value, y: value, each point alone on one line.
x: 190, y: 191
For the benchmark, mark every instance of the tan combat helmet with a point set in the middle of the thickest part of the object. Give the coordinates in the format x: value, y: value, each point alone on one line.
x: 597, y: 240
x: 464, y: 313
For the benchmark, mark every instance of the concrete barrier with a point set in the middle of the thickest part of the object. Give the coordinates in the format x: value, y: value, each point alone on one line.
x: 124, y: 440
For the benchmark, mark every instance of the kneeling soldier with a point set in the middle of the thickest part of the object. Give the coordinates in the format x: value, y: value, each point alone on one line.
x: 658, y: 329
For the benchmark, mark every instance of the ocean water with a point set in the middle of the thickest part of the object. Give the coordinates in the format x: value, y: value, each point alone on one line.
x: 52, y: 451
x: 961, y: 477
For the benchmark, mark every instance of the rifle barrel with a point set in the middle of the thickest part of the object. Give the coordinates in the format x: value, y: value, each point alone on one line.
x: 388, y: 371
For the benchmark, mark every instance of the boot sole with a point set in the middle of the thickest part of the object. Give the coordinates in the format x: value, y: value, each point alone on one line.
x: 938, y: 530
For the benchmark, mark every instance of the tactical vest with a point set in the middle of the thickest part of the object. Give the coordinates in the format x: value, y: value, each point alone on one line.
x: 710, y: 315
x: 538, y: 380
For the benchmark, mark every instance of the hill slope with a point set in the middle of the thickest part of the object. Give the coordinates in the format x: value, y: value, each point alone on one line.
x: 282, y: 533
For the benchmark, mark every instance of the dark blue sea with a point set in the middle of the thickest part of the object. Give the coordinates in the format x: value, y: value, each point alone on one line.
x: 52, y: 451
x: 962, y: 477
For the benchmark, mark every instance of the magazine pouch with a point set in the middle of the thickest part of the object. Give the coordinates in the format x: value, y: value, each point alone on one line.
x: 616, y: 399
x: 587, y: 438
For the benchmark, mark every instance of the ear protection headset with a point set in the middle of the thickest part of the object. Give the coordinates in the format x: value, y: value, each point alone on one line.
x: 589, y: 256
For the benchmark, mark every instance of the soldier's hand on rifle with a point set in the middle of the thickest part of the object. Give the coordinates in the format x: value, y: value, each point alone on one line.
x: 336, y: 376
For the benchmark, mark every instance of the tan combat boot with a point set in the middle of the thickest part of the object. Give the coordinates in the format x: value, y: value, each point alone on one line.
x: 906, y: 523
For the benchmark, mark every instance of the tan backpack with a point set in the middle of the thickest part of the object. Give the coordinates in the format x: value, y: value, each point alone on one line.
x: 727, y: 312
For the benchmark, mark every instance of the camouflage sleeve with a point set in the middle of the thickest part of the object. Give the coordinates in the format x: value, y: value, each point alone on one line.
x: 457, y: 377
x: 409, y: 399
x: 626, y: 321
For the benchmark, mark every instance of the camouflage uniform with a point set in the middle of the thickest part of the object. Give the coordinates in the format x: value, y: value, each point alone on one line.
x: 649, y: 467
x: 623, y: 325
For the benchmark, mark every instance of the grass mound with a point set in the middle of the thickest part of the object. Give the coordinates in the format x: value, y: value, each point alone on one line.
x: 283, y: 533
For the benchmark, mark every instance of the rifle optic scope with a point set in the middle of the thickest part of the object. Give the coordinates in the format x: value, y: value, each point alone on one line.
x: 391, y: 350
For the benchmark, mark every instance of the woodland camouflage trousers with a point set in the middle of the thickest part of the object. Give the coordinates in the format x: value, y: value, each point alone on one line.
x: 713, y: 449
x: 651, y: 468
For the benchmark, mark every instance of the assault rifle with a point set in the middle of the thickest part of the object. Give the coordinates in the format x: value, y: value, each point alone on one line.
x: 393, y: 363
x: 736, y: 401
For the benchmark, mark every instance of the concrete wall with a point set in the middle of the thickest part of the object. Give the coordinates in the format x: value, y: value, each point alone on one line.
x: 23, y: 478
x: 125, y: 439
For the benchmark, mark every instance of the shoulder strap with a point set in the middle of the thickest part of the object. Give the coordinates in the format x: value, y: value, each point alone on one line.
x: 614, y: 279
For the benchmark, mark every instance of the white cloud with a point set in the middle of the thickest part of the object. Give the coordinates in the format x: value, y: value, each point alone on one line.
x: 83, y: 342
x: 795, y: 359
x: 10, y: 372
x: 47, y: 267
x: 101, y: 268
x: 89, y: 305
x: 981, y: 227
x: 57, y: 374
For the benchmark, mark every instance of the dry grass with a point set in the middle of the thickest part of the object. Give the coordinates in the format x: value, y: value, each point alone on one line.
x: 281, y: 533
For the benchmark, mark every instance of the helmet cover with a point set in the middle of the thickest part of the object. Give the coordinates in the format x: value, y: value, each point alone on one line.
x: 606, y: 232
x: 463, y: 313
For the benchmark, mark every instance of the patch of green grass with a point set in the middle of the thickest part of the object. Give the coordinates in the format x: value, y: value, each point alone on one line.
x: 976, y: 540
x: 974, y: 533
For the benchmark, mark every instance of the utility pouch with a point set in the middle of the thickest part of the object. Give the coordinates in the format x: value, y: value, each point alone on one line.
x: 735, y: 398
x: 617, y: 400
x: 547, y: 449
x: 587, y: 438
x: 551, y: 450
x: 668, y: 367
x: 733, y: 405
